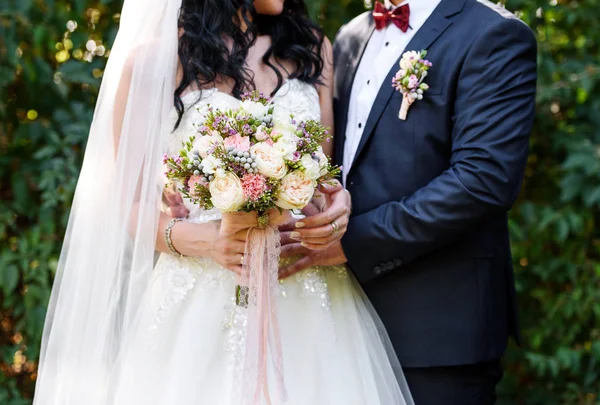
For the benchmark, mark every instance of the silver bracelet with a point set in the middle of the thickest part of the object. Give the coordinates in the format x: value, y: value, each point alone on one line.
x: 168, y: 239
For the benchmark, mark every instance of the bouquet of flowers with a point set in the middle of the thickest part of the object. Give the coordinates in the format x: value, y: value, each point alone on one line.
x: 254, y: 159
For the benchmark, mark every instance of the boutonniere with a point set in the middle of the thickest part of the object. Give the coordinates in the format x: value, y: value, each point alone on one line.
x: 409, y: 79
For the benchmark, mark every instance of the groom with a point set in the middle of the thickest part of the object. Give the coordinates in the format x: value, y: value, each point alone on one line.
x: 428, y: 236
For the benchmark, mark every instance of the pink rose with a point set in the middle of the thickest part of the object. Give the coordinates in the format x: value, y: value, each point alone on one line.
x: 193, y: 182
x: 254, y: 186
x: 240, y: 143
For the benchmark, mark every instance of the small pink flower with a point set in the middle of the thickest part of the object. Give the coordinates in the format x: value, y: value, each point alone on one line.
x: 269, y: 142
x: 254, y: 186
x: 193, y: 182
x: 240, y: 143
x: 413, y: 81
x: 261, y: 134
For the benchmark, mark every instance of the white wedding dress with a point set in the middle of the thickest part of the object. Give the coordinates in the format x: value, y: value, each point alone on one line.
x: 187, y: 341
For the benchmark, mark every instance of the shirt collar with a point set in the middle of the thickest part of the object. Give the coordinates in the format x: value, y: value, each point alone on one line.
x: 388, y: 4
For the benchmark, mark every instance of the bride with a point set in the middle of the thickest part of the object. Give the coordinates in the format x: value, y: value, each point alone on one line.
x: 143, y: 309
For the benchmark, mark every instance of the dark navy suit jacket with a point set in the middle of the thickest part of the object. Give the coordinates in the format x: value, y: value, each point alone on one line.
x: 428, y: 237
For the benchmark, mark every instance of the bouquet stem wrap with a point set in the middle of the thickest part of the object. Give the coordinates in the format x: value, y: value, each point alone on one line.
x: 257, y: 292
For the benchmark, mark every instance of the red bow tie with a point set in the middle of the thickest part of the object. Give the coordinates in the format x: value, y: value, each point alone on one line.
x: 399, y: 16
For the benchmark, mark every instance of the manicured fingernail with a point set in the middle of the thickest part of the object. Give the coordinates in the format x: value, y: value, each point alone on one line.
x: 300, y: 224
x: 295, y: 235
x: 304, y: 244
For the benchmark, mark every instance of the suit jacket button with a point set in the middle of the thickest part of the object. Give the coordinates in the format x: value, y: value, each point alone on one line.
x: 398, y: 262
x: 377, y: 270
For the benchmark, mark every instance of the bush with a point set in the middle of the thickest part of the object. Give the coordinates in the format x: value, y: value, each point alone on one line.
x: 49, y: 78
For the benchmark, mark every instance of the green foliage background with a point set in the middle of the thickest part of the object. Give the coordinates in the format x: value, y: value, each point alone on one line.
x: 48, y: 86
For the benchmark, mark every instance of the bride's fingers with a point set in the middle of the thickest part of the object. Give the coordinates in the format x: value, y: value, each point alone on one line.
x: 236, y: 269
x: 340, y: 208
x: 318, y: 243
x: 296, y: 267
x: 331, y: 188
x: 286, y: 238
x: 277, y: 218
x: 235, y: 247
x: 234, y: 263
x: 294, y: 249
x: 241, y: 235
x: 233, y: 222
x: 314, y: 208
x: 328, y: 231
x: 314, y: 246
x: 288, y: 226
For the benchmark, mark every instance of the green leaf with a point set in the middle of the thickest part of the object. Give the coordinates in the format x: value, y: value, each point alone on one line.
x: 9, y: 278
x: 76, y: 72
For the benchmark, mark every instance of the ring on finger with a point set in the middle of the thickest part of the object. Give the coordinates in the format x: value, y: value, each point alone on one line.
x: 242, y: 260
x: 334, y: 227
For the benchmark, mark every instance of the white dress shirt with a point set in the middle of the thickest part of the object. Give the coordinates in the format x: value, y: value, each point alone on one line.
x: 381, y: 54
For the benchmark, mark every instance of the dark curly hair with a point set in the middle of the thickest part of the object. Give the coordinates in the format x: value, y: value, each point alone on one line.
x: 213, y: 45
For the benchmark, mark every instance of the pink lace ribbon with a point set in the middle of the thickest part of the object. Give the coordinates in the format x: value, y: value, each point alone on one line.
x: 260, y: 267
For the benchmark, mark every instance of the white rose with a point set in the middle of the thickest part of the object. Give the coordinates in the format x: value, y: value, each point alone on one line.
x: 211, y: 164
x: 269, y: 161
x: 405, y: 65
x: 226, y: 192
x: 287, y: 145
x: 323, y: 161
x: 205, y: 143
x: 409, y: 59
x: 295, y: 191
x: 311, y: 167
x: 255, y: 109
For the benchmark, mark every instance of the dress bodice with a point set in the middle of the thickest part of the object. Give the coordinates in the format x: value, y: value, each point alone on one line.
x: 294, y: 97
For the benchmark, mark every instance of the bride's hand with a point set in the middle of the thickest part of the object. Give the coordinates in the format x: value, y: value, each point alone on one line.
x: 233, y: 222
x: 319, y: 230
x: 228, y: 250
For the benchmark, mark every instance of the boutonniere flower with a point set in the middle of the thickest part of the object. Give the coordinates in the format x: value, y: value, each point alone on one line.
x: 409, y: 79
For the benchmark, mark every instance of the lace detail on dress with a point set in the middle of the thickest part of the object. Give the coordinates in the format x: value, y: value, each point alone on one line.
x: 177, y: 277
x: 298, y: 98
x: 314, y: 285
x: 180, y: 281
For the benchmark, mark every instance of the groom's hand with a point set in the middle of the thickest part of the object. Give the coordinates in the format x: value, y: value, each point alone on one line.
x: 174, y: 203
x: 320, y: 229
x: 332, y: 255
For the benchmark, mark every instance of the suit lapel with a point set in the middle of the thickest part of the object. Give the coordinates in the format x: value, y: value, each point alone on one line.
x: 429, y: 32
x: 358, y: 44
